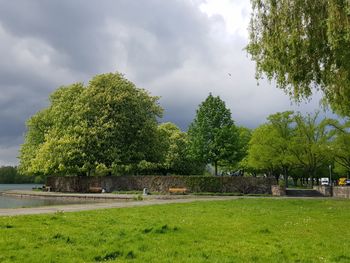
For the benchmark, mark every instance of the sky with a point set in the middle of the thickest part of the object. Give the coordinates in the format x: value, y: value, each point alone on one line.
x: 180, y: 50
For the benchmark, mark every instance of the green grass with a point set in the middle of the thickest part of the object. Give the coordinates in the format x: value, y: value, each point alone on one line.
x: 242, y: 230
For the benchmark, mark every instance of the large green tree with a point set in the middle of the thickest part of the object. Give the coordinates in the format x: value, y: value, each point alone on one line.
x: 282, y: 123
x: 269, y: 147
x: 310, y: 145
x: 177, y: 159
x: 262, y: 154
x: 105, y: 124
x: 213, y: 135
x: 340, y: 146
x: 304, y: 45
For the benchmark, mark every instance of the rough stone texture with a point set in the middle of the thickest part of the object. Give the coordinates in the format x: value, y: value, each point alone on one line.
x: 277, y: 190
x: 341, y: 191
x: 325, y: 190
x: 225, y: 184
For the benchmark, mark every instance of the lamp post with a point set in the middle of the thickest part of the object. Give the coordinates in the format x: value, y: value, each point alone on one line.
x: 330, y: 178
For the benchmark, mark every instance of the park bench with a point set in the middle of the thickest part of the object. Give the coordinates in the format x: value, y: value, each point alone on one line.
x: 177, y: 190
x: 95, y: 189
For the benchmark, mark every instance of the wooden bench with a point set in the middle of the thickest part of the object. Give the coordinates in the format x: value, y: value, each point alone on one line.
x: 178, y: 190
x: 95, y: 189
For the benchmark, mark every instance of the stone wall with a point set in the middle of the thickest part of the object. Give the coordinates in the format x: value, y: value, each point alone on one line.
x: 338, y: 191
x: 225, y: 184
x: 325, y: 190
x: 341, y: 191
x: 278, y: 190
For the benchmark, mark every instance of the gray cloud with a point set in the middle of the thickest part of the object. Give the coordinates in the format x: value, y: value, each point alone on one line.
x: 170, y: 48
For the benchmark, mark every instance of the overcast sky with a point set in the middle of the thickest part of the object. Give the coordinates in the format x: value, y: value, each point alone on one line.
x: 179, y: 50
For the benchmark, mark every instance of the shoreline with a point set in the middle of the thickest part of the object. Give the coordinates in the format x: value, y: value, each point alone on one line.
x: 90, y: 196
x: 119, y: 203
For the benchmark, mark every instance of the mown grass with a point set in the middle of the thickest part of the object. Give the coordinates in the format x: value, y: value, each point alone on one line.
x: 242, y: 230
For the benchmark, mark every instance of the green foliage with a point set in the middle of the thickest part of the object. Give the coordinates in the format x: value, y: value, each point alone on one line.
x: 242, y: 230
x: 177, y: 156
x: 292, y: 145
x: 340, y: 147
x: 310, y: 145
x: 261, y: 152
x: 304, y: 45
x: 213, y: 135
x: 10, y: 175
x: 245, y: 135
x: 107, y: 124
x: 269, y: 145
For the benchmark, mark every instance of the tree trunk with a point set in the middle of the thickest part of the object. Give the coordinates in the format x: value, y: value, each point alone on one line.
x: 216, y: 168
x: 295, y: 181
x: 285, y: 176
x: 312, y: 180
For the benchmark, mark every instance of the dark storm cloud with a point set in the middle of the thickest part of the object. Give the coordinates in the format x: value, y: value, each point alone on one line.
x: 156, y: 35
x: 45, y: 44
x: 170, y: 48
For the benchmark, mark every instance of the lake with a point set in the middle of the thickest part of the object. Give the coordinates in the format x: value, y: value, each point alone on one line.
x: 14, y: 202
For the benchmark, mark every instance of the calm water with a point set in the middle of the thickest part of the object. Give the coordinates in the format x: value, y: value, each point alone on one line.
x: 13, y: 202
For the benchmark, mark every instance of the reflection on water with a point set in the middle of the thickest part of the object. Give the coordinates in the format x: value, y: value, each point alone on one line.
x: 14, y: 202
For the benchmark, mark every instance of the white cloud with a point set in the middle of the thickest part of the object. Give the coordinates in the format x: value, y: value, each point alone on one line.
x: 234, y: 12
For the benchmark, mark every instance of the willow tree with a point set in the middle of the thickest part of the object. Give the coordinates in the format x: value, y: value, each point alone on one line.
x: 304, y: 46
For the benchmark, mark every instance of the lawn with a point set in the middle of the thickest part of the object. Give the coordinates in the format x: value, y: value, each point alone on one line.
x: 242, y: 230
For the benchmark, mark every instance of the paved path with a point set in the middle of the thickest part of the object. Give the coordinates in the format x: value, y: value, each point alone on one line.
x: 110, y: 204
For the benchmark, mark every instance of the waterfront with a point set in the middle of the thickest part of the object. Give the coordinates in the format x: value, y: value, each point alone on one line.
x: 15, y: 202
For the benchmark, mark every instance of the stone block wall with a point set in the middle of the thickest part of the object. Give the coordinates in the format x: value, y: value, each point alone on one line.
x: 225, y: 184
x: 325, y: 190
x: 278, y: 190
x: 341, y: 191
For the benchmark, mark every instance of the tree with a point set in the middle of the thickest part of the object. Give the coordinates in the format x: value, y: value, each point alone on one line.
x: 303, y: 45
x: 340, y: 146
x: 37, y: 126
x: 107, y: 123
x: 310, y: 145
x: 269, y: 147
x: 245, y: 135
x: 262, y: 154
x: 213, y: 135
x: 177, y: 159
x: 282, y: 123
x: 10, y: 175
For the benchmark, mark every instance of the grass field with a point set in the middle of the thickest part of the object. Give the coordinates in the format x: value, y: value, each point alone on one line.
x: 242, y: 230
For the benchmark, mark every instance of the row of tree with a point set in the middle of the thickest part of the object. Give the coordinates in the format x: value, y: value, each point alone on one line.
x: 10, y: 175
x: 110, y: 127
x: 302, y: 147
